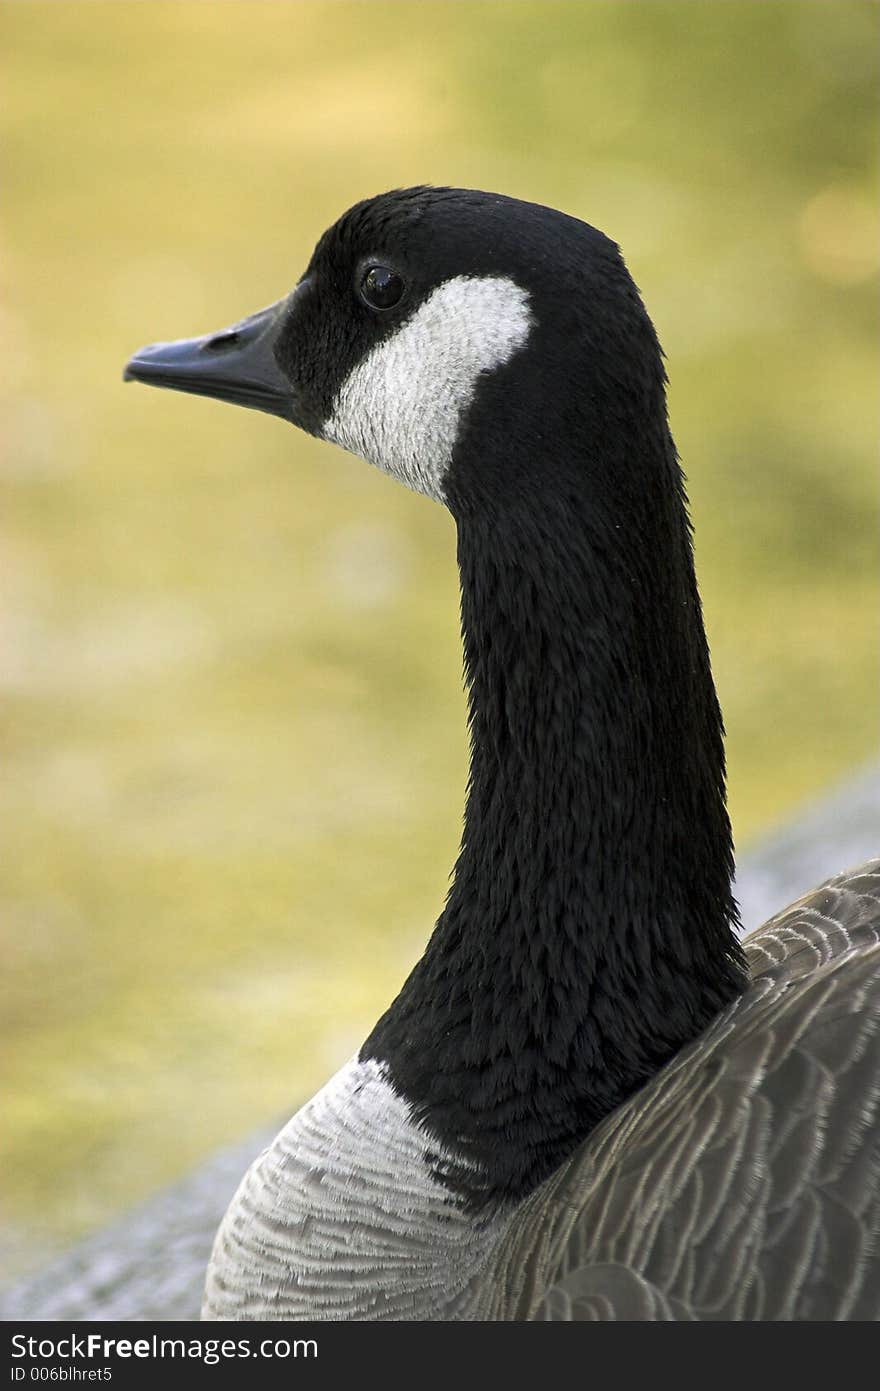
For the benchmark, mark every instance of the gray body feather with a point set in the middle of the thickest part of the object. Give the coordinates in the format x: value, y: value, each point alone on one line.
x: 744, y: 1181
x: 340, y: 1218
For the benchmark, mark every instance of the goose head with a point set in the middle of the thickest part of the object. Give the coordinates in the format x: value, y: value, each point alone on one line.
x: 495, y: 356
x: 437, y: 326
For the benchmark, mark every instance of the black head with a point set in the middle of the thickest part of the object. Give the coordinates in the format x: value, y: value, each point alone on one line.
x: 434, y: 324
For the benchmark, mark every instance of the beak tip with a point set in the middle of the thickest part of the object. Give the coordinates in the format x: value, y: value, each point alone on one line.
x: 133, y: 370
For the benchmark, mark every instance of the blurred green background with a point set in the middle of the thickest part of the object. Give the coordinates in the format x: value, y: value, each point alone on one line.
x: 234, y: 731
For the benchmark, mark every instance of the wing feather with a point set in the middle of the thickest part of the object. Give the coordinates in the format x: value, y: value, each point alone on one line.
x: 744, y: 1181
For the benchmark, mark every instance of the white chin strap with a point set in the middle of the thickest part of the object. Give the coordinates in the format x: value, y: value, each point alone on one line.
x: 400, y: 408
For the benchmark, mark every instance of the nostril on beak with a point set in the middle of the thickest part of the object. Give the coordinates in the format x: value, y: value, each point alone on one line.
x: 221, y: 342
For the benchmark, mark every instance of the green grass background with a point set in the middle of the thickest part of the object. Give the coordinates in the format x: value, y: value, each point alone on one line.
x: 234, y: 743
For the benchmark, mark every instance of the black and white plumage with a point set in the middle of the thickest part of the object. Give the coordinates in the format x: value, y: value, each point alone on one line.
x: 586, y: 1101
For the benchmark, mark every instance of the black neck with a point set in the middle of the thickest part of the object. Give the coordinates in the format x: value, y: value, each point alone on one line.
x: 587, y: 934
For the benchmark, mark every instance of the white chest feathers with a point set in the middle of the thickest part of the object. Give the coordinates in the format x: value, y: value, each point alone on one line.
x: 401, y: 406
x: 340, y: 1218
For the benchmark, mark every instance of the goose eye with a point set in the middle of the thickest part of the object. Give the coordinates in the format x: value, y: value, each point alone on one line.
x: 382, y: 287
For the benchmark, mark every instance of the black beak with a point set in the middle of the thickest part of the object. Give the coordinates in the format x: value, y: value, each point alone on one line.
x: 235, y: 365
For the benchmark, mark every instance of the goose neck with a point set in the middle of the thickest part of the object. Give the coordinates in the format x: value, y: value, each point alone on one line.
x: 587, y: 934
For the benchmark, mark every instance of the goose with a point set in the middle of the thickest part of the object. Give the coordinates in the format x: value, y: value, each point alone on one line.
x: 588, y: 1100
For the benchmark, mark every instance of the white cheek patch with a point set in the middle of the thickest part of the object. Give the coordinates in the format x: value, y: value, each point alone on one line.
x: 401, y: 406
